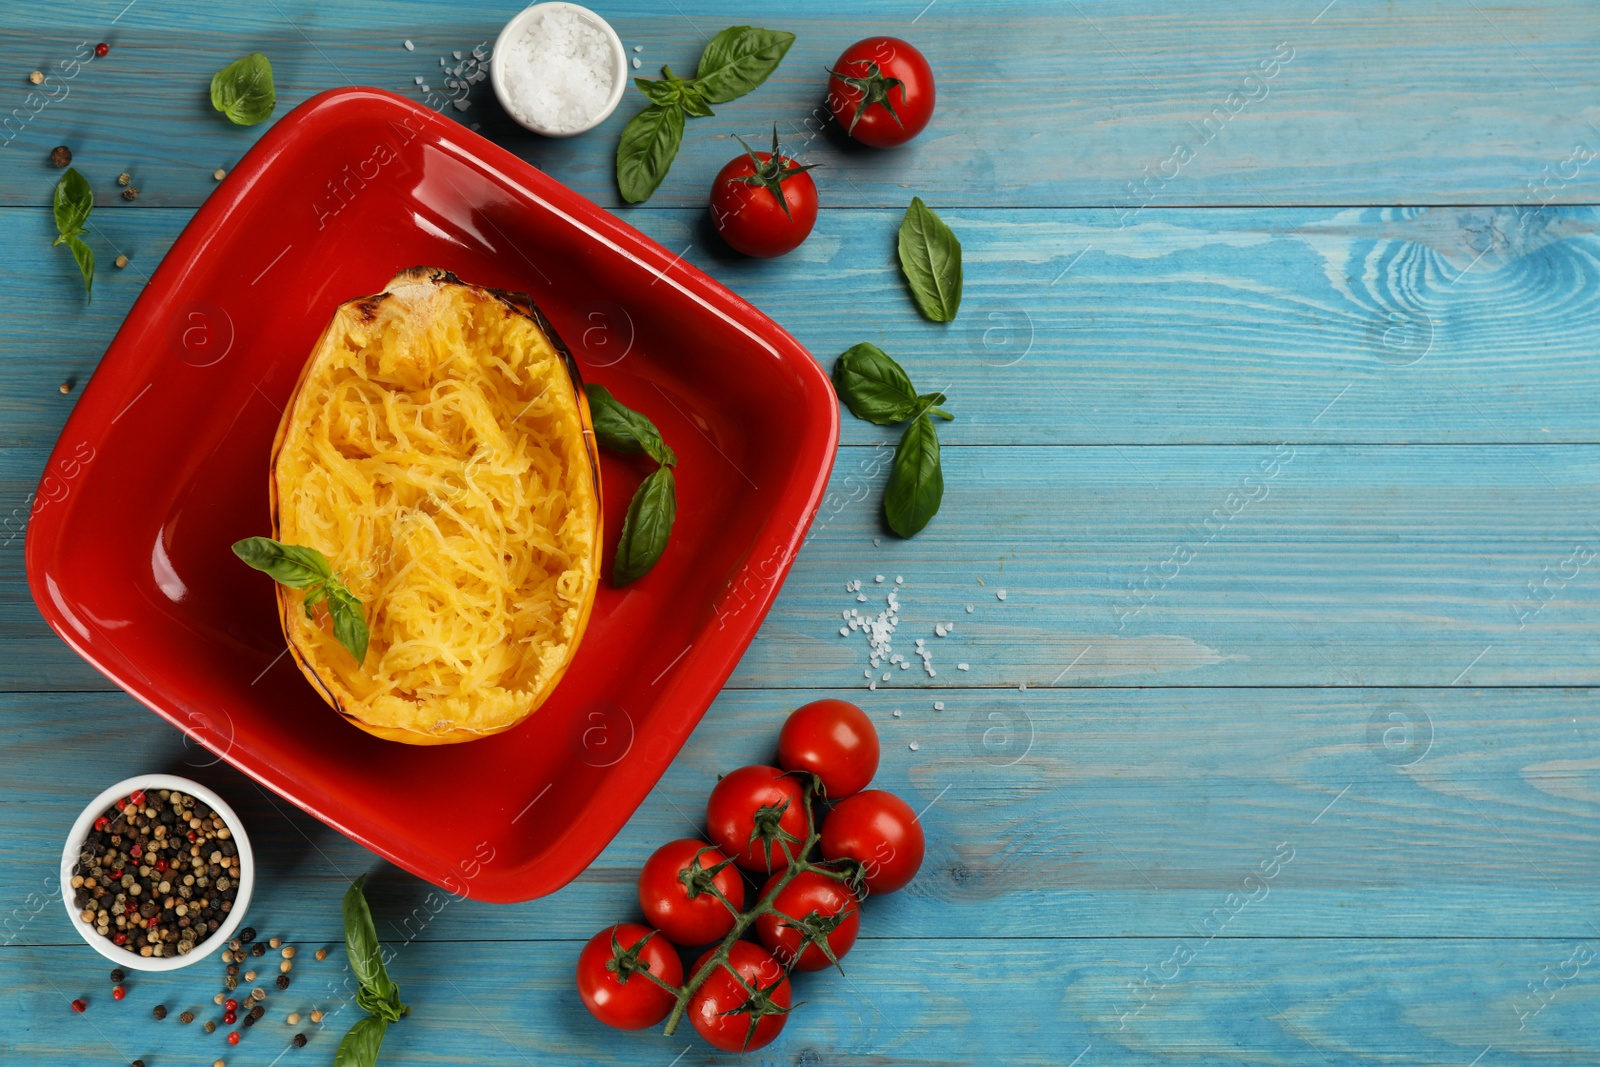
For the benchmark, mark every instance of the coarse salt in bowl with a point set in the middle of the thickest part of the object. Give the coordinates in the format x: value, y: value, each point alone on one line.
x: 241, y: 901
x: 559, y: 69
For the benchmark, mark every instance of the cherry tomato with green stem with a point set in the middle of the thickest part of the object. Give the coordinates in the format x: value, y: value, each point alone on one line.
x: 834, y: 740
x: 744, y: 1013
x: 881, y: 91
x: 764, y: 203
x: 823, y: 910
x: 679, y: 887
x: 879, y: 831
x: 612, y: 978
x: 757, y: 815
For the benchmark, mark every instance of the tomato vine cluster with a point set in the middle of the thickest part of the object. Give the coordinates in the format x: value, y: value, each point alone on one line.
x: 791, y: 853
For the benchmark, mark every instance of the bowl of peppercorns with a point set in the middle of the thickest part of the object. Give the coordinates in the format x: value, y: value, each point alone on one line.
x: 157, y: 872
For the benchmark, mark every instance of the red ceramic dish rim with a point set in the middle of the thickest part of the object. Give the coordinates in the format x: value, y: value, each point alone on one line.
x: 708, y: 664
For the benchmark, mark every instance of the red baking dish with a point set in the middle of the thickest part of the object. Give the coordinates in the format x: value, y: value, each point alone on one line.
x: 163, y: 465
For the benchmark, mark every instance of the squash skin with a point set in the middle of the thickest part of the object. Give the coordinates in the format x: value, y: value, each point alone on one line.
x: 289, y: 600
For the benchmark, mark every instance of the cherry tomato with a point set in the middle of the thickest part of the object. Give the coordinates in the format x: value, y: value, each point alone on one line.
x: 762, y: 801
x: 881, y: 91
x: 764, y: 203
x: 834, y: 740
x: 723, y: 1011
x: 623, y: 997
x: 881, y: 831
x: 818, y: 904
x: 679, y: 903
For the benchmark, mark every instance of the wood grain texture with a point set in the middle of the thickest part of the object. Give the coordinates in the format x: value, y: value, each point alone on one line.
x: 1280, y: 748
x: 1040, y: 103
x: 1094, y: 813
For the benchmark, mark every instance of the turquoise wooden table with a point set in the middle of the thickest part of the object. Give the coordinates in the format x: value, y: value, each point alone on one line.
x: 1278, y: 425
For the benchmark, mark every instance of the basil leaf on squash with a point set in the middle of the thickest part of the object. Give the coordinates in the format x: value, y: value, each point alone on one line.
x: 349, y: 625
x: 930, y: 257
x: 360, y: 1045
x: 647, y: 527
x: 738, y: 60
x: 295, y: 566
x: 622, y: 429
x: 916, y: 481
x: 649, y: 143
x: 243, y: 90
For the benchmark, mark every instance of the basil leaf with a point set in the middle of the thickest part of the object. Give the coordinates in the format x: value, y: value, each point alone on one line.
x: 243, y: 90
x: 930, y: 257
x: 295, y: 566
x: 360, y: 1045
x: 73, y: 202
x: 361, y: 945
x: 916, y: 482
x: 738, y: 60
x: 874, y: 386
x: 622, y: 429
x: 694, y: 103
x: 645, y: 153
x: 349, y: 625
x: 645, y: 530
x: 665, y: 93
x: 930, y: 402
x: 85, y: 259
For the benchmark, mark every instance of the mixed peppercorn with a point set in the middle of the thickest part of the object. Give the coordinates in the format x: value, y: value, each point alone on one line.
x: 157, y: 874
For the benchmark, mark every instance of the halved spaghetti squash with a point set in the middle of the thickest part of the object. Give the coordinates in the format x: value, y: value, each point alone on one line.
x: 438, y: 451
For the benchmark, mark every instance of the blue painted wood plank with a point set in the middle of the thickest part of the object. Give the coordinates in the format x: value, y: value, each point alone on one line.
x: 1443, y: 101
x: 1032, y: 1001
x: 1272, y: 564
x: 1305, y: 325
x: 1090, y: 813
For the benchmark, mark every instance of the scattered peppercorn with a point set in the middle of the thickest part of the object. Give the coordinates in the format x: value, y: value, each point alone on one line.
x: 186, y: 1018
x: 219, y: 174
x: 275, y: 942
x: 299, y: 1040
x: 210, y: 1026
x: 101, y: 49
x: 230, y: 1005
x: 118, y: 992
x: 118, y: 975
x: 229, y: 1018
x: 316, y: 1015
x: 293, y: 1019
x: 79, y: 1005
x: 258, y: 994
x: 66, y: 387
x: 227, y: 955
x: 283, y: 981
x: 233, y: 968
x: 230, y: 983
x: 286, y: 966
x: 248, y: 934
x: 233, y: 1037
x: 249, y: 1021
x: 36, y: 77
x: 235, y: 945
x: 249, y: 976
x: 257, y: 1012
x: 159, y: 1011
x: 322, y: 953
x: 121, y: 261
x: 136, y: 1063
x: 61, y: 155
x: 130, y: 193
x: 288, y: 952
x: 219, y: 998
x: 124, y: 178
x: 220, y: 1063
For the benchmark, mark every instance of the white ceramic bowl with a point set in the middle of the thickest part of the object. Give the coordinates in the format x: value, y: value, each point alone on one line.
x: 247, y: 872
x: 514, y: 29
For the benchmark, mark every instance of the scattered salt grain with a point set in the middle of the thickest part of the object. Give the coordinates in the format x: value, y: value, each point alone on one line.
x: 897, y: 713
x: 999, y: 594
x: 844, y: 631
x: 872, y: 685
x: 875, y: 542
x: 559, y: 73
x: 638, y: 48
x: 913, y: 746
x: 899, y: 580
x: 861, y: 598
x: 879, y: 579
x: 636, y: 63
x: 885, y: 677
x: 866, y: 674
x: 962, y: 667
x: 456, y: 55
x: 938, y: 705
x: 938, y: 628
x: 419, y: 79
x: 969, y: 609
x: 410, y: 47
